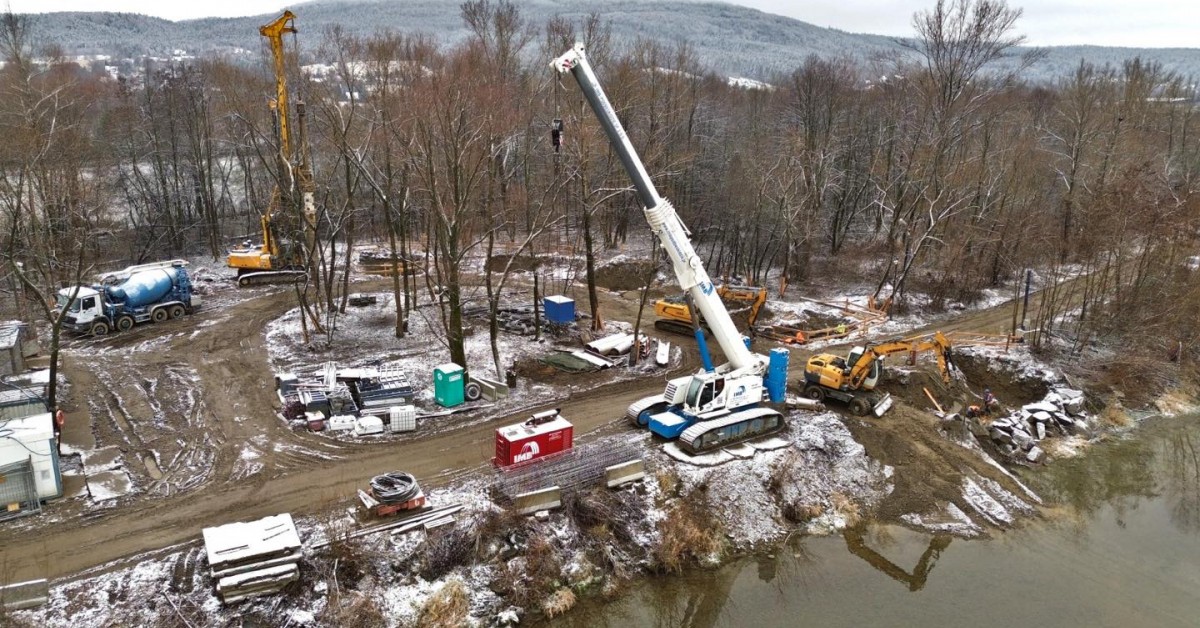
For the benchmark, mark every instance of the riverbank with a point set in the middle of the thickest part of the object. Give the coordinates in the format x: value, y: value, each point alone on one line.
x: 1117, y: 548
x: 923, y: 470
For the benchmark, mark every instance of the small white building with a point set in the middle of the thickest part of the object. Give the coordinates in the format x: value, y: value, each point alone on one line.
x: 31, y: 440
x: 14, y: 335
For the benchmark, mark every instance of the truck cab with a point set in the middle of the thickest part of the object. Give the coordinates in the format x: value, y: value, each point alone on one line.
x: 84, y: 311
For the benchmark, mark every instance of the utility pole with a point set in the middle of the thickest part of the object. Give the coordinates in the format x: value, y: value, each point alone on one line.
x: 1025, y: 308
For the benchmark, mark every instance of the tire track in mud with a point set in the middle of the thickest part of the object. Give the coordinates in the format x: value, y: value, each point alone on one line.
x: 232, y: 412
x: 299, y: 472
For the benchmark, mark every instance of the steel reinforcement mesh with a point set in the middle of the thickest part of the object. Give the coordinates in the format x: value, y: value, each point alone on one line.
x: 580, y: 467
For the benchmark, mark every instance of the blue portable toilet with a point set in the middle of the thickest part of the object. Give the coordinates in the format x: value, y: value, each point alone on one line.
x: 560, y: 310
x: 776, y: 379
x: 448, y: 385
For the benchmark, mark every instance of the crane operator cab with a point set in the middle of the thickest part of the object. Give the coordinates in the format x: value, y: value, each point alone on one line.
x: 704, y: 395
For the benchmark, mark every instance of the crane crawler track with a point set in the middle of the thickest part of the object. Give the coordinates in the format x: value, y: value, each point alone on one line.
x: 733, y: 428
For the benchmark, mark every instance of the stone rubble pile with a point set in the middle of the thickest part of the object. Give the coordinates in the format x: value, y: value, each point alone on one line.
x: 1060, y: 413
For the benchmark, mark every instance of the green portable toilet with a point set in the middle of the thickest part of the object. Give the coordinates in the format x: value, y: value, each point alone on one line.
x: 448, y: 385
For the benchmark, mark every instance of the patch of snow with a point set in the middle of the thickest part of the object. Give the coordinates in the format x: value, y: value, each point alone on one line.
x: 748, y: 83
x: 108, y: 485
x: 823, y: 460
x: 951, y: 521
x: 984, y: 503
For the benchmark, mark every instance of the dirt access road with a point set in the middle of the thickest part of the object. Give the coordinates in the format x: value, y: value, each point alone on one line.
x: 182, y: 400
x: 178, y: 403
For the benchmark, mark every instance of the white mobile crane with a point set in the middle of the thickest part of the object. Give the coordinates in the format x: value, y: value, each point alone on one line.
x: 714, y: 407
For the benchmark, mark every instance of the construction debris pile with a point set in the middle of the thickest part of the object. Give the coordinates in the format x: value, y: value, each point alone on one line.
x: 519, y: 320
x: 379, y: 262
x: 348, y: 399
x: 849, y: 318
x: 254, y: 557
x: 1060, y: 413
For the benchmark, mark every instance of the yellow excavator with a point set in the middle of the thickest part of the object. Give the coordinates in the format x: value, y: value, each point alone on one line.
x: 852, y: 379
x: 675, y: 316
x: 281, y: 256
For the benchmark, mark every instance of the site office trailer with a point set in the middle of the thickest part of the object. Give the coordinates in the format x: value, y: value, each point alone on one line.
x: 531, y: 440
x: 32, y: 438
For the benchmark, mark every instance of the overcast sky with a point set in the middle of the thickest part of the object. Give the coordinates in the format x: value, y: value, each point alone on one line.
x: 1142, y: 23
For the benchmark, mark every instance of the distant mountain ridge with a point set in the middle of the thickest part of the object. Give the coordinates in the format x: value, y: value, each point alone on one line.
x: 729, y: 39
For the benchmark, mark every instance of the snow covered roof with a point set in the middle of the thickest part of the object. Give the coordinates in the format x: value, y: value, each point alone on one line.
x: 9, y: 335
x: 31, y: 379
x: 248, y: 539
x: 19, y: 396
x: 448, y: 368
x: 80, y: 292
x: 522, y: 431
x: 30, y: 429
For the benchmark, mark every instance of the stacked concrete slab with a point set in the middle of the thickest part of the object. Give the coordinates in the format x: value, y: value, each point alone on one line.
x: 253, y: 557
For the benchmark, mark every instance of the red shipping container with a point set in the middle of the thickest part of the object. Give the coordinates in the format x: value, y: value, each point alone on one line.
x: 545, y: 434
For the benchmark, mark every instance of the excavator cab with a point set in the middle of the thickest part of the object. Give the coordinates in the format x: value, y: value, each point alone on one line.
x: 854, y: 379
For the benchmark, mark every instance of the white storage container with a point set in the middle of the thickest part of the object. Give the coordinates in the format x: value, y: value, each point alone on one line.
x: 368, y: 425
x: 341, y: 422
x: 403, y: 418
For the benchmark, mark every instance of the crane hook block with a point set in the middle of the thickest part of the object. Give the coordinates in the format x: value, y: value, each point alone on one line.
x: 556, y: 134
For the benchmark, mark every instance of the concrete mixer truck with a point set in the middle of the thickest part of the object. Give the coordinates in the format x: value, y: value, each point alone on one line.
x: 148, y: 292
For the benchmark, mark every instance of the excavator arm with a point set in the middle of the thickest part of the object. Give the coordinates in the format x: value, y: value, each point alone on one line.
x: 937, y: 343
x: 674, y: 315
x: 756, y: 297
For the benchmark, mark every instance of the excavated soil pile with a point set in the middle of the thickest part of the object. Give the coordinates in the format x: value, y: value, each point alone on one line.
x: 623, y: 275
x: 930, y: 467
x: 519, y: 263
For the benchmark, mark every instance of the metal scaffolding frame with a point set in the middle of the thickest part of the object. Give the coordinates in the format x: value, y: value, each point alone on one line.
x: 18, y: 491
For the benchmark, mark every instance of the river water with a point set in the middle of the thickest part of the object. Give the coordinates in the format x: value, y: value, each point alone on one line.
x: 1119, y: 546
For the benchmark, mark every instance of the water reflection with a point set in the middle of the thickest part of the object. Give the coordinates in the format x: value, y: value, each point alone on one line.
x: 1159, y: 462
x: 1128, y: 557
x: 915, y: 580
x: 1182, y: 480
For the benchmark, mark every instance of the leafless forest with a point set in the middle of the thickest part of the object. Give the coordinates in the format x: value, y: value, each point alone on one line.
x: 936, y: 178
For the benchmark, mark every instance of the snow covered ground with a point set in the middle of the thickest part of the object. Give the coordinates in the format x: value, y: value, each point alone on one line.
x: 817, y: 483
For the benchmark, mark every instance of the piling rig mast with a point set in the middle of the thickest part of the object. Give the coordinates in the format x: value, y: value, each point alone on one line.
x: 281, y: 256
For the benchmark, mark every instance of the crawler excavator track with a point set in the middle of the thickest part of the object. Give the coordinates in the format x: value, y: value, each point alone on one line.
x: 272, y: 277
x: 677, y: 327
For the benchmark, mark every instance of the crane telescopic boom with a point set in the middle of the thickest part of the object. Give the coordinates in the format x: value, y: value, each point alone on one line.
x: 715, y: 407
x: 671, y: 233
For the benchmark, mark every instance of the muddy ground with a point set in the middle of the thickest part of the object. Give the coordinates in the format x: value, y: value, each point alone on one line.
x: 178, y: 400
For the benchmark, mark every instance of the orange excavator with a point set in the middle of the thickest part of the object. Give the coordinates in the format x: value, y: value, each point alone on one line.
x: 675, y: 316
x: 852, y: 379
x: 281, y: 256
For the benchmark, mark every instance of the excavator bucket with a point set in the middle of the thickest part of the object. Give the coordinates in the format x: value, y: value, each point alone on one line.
x: 883, y: 406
